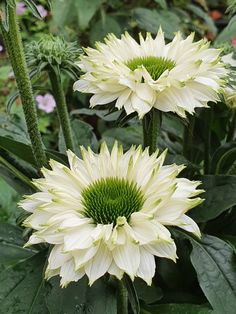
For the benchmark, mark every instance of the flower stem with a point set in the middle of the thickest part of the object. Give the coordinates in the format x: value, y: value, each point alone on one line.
x: 188, y: 139
x: 232, y: 127
x: 62, y: 108
x: 151, y: 127
x: 207, y: 139
x: 122, y: 298
x: 13, y: 42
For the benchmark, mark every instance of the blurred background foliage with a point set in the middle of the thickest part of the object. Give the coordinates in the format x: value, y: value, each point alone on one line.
x: 86, y: 22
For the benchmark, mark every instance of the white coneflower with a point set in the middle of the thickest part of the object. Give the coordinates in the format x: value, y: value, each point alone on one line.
x: 178, y: 76
x: 108, y: 213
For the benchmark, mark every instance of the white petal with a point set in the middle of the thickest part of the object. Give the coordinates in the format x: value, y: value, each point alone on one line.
x: 147, y: 266
x: 69, y: 274
x: 127, y: 257
x: 57, y: 258
x: 99, y: 265
x: 162, y: 249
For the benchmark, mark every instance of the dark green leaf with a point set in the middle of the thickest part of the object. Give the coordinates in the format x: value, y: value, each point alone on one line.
x: 13, y: 181
x: 223, y: 158
x: 177, y: 309
x: 11, y: 244
x: 198, y: 11
x: 80, y: 298
x: 21, y: 150
x: 23, y: 289
x: 132, y: 294
x: 126, y: 136
x: 228, y: 32
x: 148, y: 294
x: 220, y: 195
x: 151, y: 20
x: 86, y: 10
x: 102, y: 27
x: 83, y: 135
x: 162, y: 3
x: 215, y: 264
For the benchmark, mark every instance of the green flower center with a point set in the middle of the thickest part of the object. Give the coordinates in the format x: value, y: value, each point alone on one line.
x: 154, y: 65
x: 109, y: 198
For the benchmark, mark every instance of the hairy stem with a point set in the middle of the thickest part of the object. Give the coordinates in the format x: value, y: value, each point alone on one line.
x: 62, y: 109
x: 151, y: 128
x: 122, y: 298
x: 13, y: 42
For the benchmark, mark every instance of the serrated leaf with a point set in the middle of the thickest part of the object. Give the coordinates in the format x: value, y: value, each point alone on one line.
x: 220, y: 196
x: 214, y: 261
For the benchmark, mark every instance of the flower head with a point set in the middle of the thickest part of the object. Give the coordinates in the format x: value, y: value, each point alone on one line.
x: 108, y: 212
x: 42, y: 11
x: 53, y: 51
x: 20, y: 8
x: 178, y: 76
x: 46, y: 103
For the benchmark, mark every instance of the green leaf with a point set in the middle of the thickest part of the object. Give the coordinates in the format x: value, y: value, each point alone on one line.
x: 220, y: 196
x: 86, y: 10
x: 11, y: 244
x: 223, y: 158
x: 103, y: 114
x: 21, y: 150
x: 177, y: 309
x: 132, y: 294
x: 126, y: 136
x: 148, y: 294
x: 228, y: 32
x: 83, y: 135
x: 13, y: 181
x: 214, y: 262
x: 23, y: 289
x: 102, y: 27
x: 80, y: 298
x: 162, y: 3
x: 198, y: 11
x: 151, y: 20
x: 33, y: 7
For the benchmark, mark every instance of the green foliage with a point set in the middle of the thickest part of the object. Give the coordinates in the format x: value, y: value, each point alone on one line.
x: 219, y: 197
x: 214, y: 262
x: 151, y: 20
x: 202, y: 281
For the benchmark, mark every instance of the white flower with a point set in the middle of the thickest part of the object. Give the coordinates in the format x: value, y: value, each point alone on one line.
x: 229, y: 92
x: 229, y: 59
x: 178, y: 76
x: 108, y: 212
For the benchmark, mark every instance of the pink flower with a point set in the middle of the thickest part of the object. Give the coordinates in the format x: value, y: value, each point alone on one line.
x: 20, y: 8
x: 46, y: 103
x: 1, y: 48
x: 233, y: 41
x: 42, y: 11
